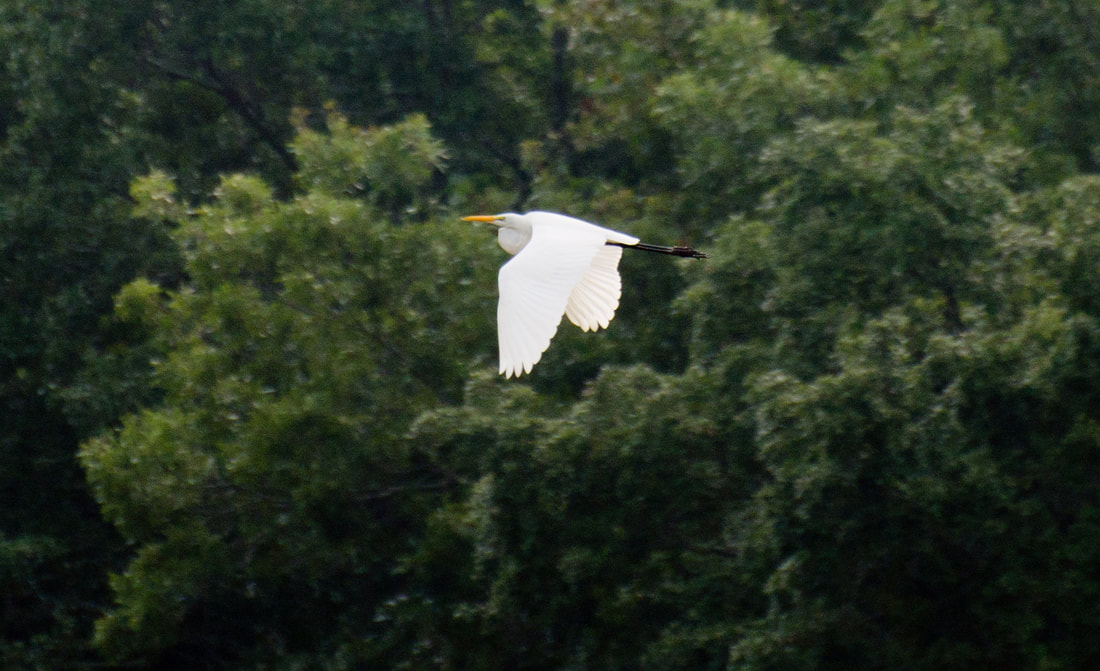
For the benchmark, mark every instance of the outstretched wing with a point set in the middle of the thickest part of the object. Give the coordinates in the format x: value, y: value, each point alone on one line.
x: 595, y: 298
x: 535, y: 288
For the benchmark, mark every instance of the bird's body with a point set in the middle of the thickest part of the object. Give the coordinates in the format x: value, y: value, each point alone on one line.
x: 560, y: 265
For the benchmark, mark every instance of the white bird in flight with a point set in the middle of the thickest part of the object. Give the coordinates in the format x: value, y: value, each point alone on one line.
x: 559, y: 265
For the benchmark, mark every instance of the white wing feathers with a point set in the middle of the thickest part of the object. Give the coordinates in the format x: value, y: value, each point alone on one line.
x: 594, y: 299
x: 563, y: 269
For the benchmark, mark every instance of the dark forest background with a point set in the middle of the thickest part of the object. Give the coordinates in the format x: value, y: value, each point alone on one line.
x: 249, y: 410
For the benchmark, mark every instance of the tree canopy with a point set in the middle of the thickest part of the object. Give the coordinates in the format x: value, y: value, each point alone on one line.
x: 247, y: 347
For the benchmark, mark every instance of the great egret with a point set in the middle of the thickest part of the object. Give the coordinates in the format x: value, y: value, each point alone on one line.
x: 559, y: 265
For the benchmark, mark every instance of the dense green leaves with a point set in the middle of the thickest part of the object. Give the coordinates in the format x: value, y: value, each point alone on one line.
x: 923, y: 461
x: 247, y: 348
x: 722, y: 112
x: 310, y: 334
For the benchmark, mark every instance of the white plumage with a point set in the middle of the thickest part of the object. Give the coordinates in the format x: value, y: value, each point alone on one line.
x: 560, y: 265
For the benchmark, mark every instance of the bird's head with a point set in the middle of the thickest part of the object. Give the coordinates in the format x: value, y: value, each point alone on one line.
x: 515, y: 229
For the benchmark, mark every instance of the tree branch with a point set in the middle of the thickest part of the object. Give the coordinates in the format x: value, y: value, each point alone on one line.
x: 236, y: 100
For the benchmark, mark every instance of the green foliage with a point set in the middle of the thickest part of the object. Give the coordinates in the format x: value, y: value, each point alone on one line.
x: 66, y: 246
x: 393, y: 165
x: 156, y: 589
x: 1069, y: 217
x: 869, y: 216
x: 727, y: 301
x: 598, y: 523
x: 919, y: 51
x: 1051, y: 70
x: 821, y: 32
x: 723, y: 111
x: 862, y: 434
x: 309, y: 335
x: 42, y: 624
x: 952, y: 439
x: 620, y: 53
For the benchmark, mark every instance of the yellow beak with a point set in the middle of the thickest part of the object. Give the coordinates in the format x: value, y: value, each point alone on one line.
x: 484, y: 218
